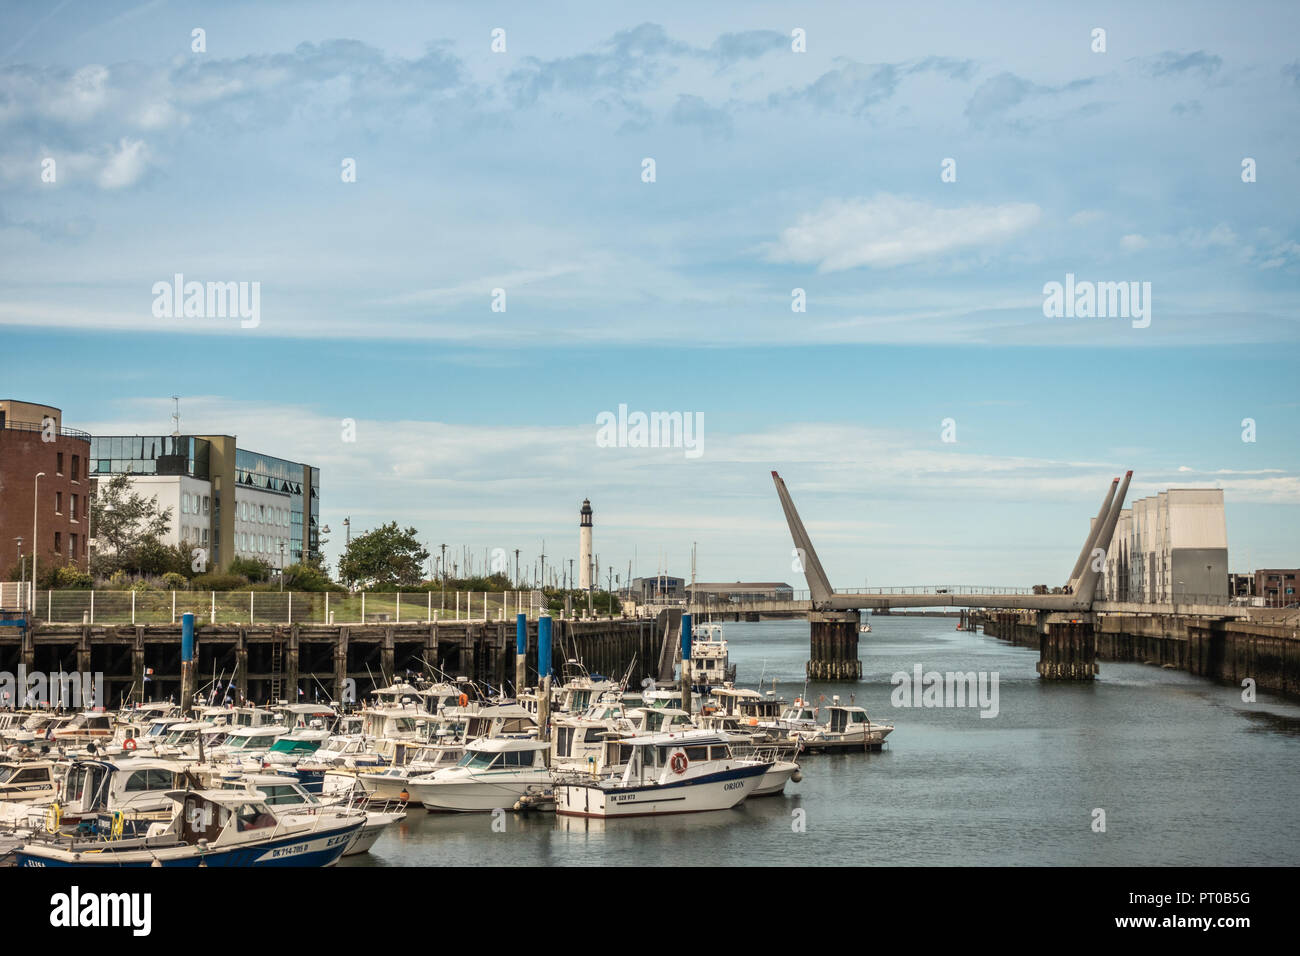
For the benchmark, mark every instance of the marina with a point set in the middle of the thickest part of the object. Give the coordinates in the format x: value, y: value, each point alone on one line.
x: 558, y: 802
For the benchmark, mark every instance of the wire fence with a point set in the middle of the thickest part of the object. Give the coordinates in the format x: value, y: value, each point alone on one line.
x: 280, y: 607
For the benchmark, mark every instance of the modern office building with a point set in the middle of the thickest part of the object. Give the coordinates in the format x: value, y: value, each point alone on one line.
x: 227, y: 501
x: 34, y: 442
x: 1168, y: 547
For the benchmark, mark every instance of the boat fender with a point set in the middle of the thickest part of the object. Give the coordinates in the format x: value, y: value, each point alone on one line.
x: 405, y: 795
x: 796, y: 776
x: 53, y: 817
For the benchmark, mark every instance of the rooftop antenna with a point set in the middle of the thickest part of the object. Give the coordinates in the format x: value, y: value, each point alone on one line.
x: 176, y: 416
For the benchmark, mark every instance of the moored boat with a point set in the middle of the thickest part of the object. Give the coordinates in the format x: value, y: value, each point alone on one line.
x: 690, y: 772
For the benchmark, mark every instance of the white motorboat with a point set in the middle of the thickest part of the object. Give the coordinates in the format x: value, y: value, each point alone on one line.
x: 689, y: 772
x: 27, y: 780
x: 709, y: 665
x: 390, y: 783
x: 210, y: 828
x: 494, y: 773
x: 284, y: 795
x: 847, y: 728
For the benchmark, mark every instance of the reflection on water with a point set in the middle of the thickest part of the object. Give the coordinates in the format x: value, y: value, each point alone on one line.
x: 1186, y: 771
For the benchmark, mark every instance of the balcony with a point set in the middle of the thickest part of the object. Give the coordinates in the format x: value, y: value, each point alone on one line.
x: 39, y: 427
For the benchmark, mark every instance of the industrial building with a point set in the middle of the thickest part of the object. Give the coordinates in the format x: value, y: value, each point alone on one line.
x: 1277, y: 586
x: 1168, y: 547
x: 740, y: 590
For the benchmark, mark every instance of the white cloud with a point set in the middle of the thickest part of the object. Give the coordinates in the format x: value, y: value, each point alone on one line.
x: 889, y: 230
x: 124, y: 165
x: 1133, y: 242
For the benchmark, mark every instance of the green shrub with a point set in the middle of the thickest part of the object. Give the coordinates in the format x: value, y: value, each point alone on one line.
x: 219, y: 582
x: 70, y: 576
x: 172, y: 581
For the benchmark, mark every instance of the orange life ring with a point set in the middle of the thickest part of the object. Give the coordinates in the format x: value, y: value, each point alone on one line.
x: 129, y: 744
x: 678, y: 762
x: 464, y: 700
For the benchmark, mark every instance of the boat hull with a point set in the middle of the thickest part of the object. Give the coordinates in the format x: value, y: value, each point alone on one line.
x: 479, y: 795
x: 297, y: 850
x: 717, y: 791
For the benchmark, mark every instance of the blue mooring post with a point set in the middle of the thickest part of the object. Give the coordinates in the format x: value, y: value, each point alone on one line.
x: 686, y: 662
x: 544, y: 677
x: 544, y: 646
x: 187, y: 663
x: 521, y: 653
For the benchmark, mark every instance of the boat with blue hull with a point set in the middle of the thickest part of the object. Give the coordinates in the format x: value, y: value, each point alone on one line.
x: 211, y: 828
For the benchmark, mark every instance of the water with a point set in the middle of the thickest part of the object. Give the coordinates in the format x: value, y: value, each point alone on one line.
x: 1186, y: 773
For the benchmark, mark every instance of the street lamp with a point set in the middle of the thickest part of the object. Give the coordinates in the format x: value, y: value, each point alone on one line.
x: 347, y: 531
x: 281, y: 566
x: 22, y: 571
x: 36, y: 497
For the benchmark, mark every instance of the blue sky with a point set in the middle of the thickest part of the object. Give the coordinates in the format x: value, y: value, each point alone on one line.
x: 775, y: 170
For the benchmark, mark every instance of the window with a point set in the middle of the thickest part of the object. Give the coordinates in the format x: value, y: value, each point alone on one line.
x: 206, y: 503
x: 72, y: 547
x: 185, y: 504
x: 72, y: 507
x: 58, y: 468
x: 76, y: 467
x: 58, y: 502
x: 58, y: 543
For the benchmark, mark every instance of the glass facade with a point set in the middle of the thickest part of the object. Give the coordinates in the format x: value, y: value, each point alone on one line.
x: 149, y: 455
x: 255, y: 470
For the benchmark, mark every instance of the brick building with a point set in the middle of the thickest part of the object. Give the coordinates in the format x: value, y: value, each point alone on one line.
x: 33, y: 441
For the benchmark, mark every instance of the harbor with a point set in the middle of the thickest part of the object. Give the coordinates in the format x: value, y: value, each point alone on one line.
x: 1035, y: 766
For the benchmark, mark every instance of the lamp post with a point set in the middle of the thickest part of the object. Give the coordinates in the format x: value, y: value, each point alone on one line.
x: 36, y: 497
x: 22, y: 571
x: 282, y: 567
x: 347, y: 531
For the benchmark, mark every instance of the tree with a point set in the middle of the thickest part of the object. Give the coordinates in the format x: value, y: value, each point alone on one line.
x: 307, y: 577
x: 125, y: 523
x: 385, y: 558
x: 250, y: 568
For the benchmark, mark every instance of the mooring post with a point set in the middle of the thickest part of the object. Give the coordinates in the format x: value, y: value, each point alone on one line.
x: 544, y: 677
x: 686, y: 663
x: 187, y: 663
x: 521, y: 653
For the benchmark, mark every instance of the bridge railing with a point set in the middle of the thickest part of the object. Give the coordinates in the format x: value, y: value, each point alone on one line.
x: 937, y: 589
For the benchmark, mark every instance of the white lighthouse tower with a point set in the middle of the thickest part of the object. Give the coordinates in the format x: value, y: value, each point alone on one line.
x: 584, y: 546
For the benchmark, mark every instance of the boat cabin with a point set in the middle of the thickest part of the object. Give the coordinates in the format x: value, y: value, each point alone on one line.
x: 27, y: 780
x: 504, y: 753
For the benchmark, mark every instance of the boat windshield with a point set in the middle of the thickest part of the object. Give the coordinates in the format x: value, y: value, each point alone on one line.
x: 477, y: 760
x: 280, y: 796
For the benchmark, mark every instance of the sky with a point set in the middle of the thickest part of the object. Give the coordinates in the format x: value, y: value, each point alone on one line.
x: 839, y: 269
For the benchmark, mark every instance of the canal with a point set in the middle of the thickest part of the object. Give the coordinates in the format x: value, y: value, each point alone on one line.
x: 1184, y: 770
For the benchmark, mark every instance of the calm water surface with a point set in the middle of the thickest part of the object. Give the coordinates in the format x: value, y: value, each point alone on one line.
x: 1186, y: 772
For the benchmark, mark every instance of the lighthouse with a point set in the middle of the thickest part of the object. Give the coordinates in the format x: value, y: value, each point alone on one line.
x: 584, y: 546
